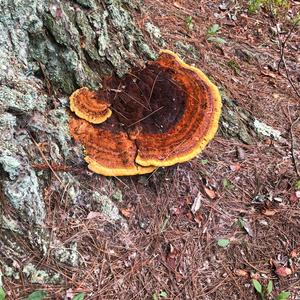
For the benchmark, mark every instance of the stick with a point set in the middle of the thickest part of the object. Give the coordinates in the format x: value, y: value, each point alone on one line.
x: 282, y: 45
x: 154, y: 82
x: 146, y: 117
x: 293, y: 143
x: 45, y: 159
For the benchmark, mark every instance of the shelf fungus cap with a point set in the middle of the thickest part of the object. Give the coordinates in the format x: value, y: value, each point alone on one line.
x: 107, y: 152
x: 197, y: 124
x: 163, y: 114
x: 87, y: 105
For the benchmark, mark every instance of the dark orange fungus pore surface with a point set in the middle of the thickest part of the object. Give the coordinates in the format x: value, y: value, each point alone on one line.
x: 159, y: 115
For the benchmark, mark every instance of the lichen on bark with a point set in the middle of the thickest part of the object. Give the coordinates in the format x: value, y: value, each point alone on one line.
x: 80, y: 43
x: 47, y: 50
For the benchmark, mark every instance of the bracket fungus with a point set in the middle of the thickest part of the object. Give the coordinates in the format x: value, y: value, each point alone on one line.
x: 163, y: 114
x: 86, y: 105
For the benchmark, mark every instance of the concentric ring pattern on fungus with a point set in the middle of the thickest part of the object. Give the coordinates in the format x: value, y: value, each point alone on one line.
x: 160, y: 115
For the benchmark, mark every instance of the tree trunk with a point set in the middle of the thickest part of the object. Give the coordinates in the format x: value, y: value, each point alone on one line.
x: 47, y: 50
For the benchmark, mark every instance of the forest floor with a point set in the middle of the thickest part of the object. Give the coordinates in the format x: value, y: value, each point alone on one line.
x: 204, y: 229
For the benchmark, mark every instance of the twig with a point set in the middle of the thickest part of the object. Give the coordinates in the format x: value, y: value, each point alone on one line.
x: 293, y: 123
x: 113, y: 109
x: 55, y: 167
x: 117, y: 178
x: 154, y: 82
x: 140, y: 120
x: 48, y: 84
x: 135, y: 100
x: 289, y: 78
x: 45, y: 159
x: 116, y: 91
x: 282, y: 44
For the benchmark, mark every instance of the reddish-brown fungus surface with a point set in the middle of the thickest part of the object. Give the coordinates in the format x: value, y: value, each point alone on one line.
x: 163, y: 114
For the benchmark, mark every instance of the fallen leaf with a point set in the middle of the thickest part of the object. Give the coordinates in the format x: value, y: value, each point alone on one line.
x: 240, y: 153
x: 189, y: 215
x: 69, y: 294
x: 224, y: 6
x: 198, y: 218
x: 172, y: 256
x: 210, y: 193
x: 241, y: 273
x: 173, y: 252
x: 235, y: 167
x: 283, y: 271
x: 93, y: 215
x: 294, y: 253
x: 130, y: 260
x: 197, y: 203
x: 255, y: 276
x: 176, y: 211
x: 176, y: 4
x: 268, y: 73
x: 294, y: 198
x: 188, y: 200
x: 269, y: 212
x: 246, y: 226
x: 126, y: 212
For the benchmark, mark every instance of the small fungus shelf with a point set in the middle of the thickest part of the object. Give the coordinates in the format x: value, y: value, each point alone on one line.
x: 160, y: 115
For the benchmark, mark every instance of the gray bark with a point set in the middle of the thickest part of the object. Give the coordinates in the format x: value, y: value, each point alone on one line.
x: 47, y: 50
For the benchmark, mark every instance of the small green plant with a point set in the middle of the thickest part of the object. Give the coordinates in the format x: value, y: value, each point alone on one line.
x: 2, y: 294
x: 37, y: 295
x: 296, y: 19
x: 79, y: 296
x: 223, y: 243
x: 234, y: 66
x: 164, y: 224
x: 217, y: 40
x: 241, y: 223
x: 214, y: 29
x: 272, y: 5
x: 270, y: 287
x: 211, y: 33
x: 160, y: 295
x: 283, y: 296
x: 254, y: 6
x: 266, y: 291
x: 204, y: 161
x: 189, y: 23
x: 297, y: 184
x: 227, y: 184
x: 261, y: 290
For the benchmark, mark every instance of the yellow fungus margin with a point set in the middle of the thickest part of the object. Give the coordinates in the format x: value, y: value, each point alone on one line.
x: 213, y: 127
x: 82, y: 115
x: 100, y: 169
